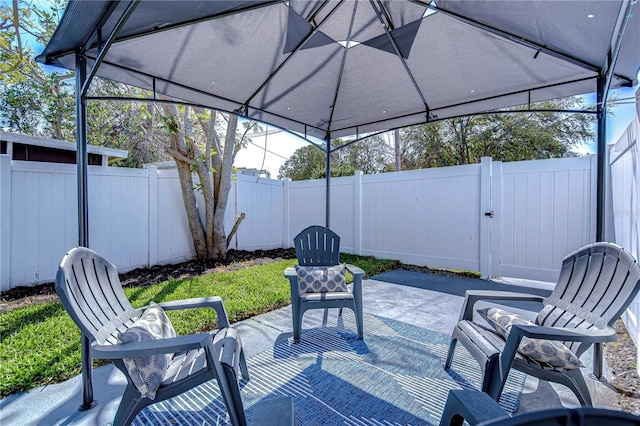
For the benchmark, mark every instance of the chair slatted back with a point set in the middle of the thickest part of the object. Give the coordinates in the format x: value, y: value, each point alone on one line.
x: 596, y: 284
x: 89, y: 288
x: 317, y: 246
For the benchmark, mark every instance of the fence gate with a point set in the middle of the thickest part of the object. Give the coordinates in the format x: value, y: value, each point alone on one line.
x: 536, y: 213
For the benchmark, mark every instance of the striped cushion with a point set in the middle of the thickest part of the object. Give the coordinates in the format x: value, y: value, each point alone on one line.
x: 146, y: 372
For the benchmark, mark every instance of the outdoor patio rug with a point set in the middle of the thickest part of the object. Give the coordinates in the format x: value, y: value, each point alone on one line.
x: 394, y: 377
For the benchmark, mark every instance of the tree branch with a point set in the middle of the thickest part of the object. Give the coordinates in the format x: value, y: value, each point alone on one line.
x: 208, y: 127
x: 181, y: 157
x: 239, y: 219
x: 16, y: 25
x: 238, y: 146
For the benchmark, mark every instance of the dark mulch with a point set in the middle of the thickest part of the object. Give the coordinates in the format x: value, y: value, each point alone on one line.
x: 235, y: 259
x: 620, y: 355
x: 621, y: 359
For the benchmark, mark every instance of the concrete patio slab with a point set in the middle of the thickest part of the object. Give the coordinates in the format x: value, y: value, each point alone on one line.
x: 423, y: 300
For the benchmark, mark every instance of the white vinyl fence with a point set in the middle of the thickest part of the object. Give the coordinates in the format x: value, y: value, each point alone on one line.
x: 548, y: 210
x: 136, y: 217
x: 624, y: 158
x: 502, y: 219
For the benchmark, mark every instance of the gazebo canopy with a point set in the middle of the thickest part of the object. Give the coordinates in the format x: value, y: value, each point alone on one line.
x: 335, y: 68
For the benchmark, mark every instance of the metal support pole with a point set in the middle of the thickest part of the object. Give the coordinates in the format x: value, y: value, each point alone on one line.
x: 83, y: 215
x: 328, y: 184
x: 87, y: 377
x: 81, y: 152
x: 601, y: 151
x: 83, y: 80
x: 604, y: 83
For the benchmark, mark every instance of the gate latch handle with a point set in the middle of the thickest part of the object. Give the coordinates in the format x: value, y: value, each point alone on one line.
x: 489, y: 214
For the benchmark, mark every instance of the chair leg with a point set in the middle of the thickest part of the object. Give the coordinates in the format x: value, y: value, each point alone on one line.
x: 470, y: 405
x: 130, y: 405
x: 452, y: 349
x: 357, y: 301
x: 244, y: 371
x: 231, y: 394
x: 359, y: 322
x: 575, y: 381
x: 296, y: 316
x: 493, y: 379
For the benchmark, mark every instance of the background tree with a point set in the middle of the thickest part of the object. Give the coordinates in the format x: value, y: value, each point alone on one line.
x: 305, y: 163
x: 371, y: 155
x: 207, y: 150
x: 41, y: 102
x: 132, y: 126
x: 32, y: 100
x: 422, y: 147
x: 513, y: 136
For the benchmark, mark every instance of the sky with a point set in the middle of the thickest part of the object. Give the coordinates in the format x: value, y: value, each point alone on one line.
x: 621, y: 114
x: 268, y: 150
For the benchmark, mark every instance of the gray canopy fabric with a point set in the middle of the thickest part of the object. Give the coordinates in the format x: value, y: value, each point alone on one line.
x: 335, y: 68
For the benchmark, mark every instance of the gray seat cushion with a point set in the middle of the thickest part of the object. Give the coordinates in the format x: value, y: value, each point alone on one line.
x: 545, y: 352
x: 321, y: 279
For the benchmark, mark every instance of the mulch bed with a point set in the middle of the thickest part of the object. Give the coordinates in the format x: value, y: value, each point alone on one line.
x: 620, y: 355
x: 236, y: 259
x: 621, y: 359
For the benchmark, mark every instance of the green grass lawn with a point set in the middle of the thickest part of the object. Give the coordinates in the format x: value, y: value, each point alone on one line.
x: 40, y: 344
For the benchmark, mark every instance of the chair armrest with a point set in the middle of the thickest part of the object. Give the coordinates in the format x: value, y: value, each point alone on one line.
x: 473, y: 296
x: 585, y: 335
x: 292, y: 275
x: 151, y: 347
x: 358, y: 274
x: 290, y: 272
x: 203, y: 302
x: 518, y: 331
x: 355, y: 271
x: 472, y: 406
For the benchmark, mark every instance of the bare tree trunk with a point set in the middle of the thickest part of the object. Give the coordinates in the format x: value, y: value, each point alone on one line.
x: 239, y: 219
x: 191, y: 207
x: 223, y: 188
x: 214, y: 171
x: 205, y: 174
x: 209, y: 206
x: 182, y: 155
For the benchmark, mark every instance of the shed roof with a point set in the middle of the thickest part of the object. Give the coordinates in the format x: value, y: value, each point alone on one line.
x: 62, y: 145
